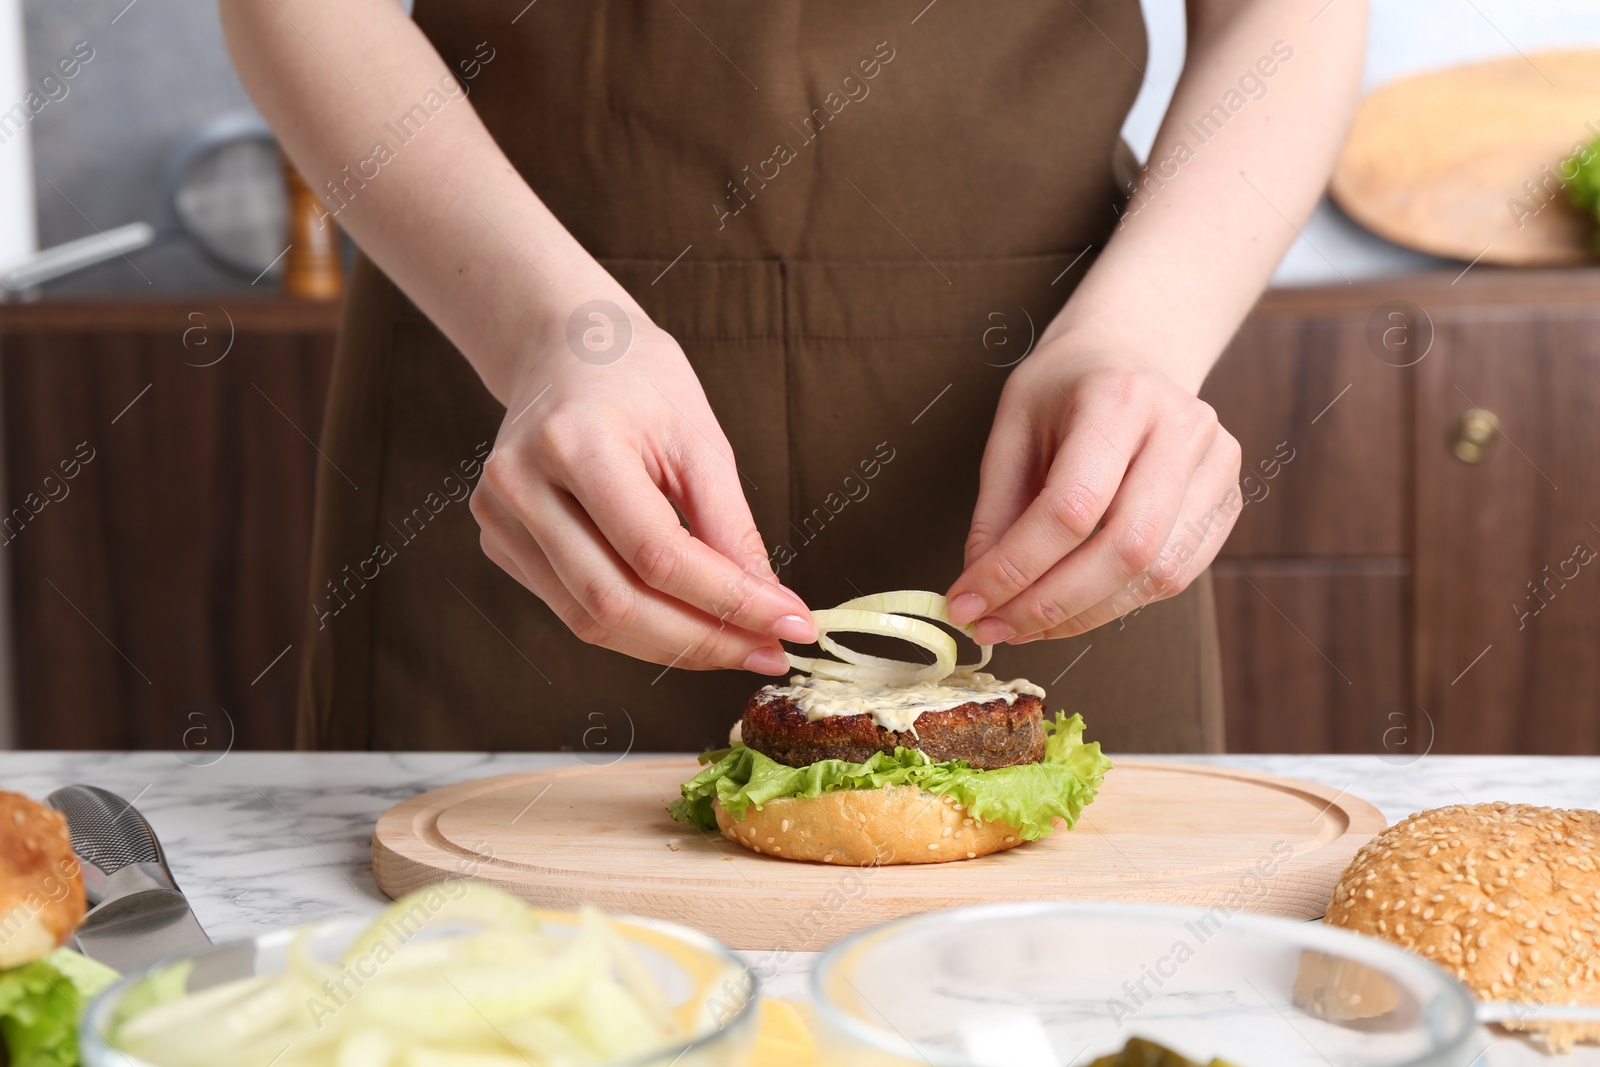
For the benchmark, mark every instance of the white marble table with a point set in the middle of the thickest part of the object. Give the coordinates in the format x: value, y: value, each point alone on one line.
x: 261, y: 840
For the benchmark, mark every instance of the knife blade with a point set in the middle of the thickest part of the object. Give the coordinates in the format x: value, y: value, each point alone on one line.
x: 137, y: 913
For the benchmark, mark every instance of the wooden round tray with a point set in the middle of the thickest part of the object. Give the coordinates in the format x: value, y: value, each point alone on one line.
x: 1465, y: 162
x: 1161, y: 831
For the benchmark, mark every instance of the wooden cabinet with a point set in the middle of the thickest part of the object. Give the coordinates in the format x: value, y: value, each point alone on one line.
x: 1378, y: 595
x: 1508, y: 589
x: 1383, y: 595
x: 159, y: 465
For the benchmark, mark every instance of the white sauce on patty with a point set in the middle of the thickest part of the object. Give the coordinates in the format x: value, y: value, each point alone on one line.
x: 895, y: 708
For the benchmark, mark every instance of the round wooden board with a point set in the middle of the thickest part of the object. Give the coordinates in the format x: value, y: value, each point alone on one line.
x: 1439, y: 161
x: 1172, y: 832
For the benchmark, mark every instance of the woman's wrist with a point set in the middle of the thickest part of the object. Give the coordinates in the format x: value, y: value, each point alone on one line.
x: 1076, y: 348
x: 585, y: 315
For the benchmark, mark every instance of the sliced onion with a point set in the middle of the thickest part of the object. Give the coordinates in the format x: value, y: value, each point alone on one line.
x: 876, y: 670
x: 507, y: 993
x: 896, y: 614
x: 924, y: 605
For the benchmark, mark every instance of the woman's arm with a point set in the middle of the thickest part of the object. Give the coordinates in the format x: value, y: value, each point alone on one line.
x: 576, y: 501
x: 1106, y: 483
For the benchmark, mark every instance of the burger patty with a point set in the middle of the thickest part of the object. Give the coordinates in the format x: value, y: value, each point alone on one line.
x: 987, y: 735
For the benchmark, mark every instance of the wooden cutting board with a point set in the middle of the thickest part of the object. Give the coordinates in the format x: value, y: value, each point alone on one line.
x: 1172, y: 832
x: 1439, y: 161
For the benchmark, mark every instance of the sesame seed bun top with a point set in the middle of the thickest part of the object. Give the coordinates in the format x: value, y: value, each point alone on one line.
x: 1504, y: 896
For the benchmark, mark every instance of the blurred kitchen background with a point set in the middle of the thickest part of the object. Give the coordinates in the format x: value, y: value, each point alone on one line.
x: 1412, y: 576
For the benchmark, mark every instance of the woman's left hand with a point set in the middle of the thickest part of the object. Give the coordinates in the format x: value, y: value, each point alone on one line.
x: 1105, y: 485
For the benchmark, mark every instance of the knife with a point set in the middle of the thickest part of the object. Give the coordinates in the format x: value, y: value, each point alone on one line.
x: 137, y: 914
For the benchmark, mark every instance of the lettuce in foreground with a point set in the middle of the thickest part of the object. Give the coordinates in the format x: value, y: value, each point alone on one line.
x: 1029, y: 796
x: 40, y: 1004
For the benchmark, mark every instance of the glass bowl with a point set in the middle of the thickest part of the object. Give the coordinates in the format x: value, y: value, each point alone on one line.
x: 700, y: 979
x: 1059, y: 984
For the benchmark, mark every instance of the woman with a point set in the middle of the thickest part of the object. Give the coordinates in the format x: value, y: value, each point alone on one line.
x: 717, y: 311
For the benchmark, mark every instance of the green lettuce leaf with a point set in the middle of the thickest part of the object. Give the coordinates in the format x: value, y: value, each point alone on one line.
x: 1581, y: 174
x: 1030, y: 796
x: 40, y: 1004
x: 1583, y: 187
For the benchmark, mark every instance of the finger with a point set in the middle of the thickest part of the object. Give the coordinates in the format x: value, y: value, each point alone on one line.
x: 709, y: 493
x: 1080, y: 487
x: 510, y: 547
x: 1141, y: 517
x: 633, y: 517
x: 1210, y: 509
x: 1007, y: 481
x: 620, y: 603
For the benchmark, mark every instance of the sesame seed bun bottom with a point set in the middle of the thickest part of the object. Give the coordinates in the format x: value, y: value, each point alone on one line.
x: 867, y: 828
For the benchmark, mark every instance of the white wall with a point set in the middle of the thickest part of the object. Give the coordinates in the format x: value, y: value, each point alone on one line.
x: 18, y: 236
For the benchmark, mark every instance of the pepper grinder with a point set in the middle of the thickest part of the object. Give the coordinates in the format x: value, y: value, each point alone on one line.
x: 311, y: 266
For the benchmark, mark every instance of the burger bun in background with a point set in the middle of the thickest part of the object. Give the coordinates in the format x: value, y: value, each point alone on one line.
x: 1506, y: 897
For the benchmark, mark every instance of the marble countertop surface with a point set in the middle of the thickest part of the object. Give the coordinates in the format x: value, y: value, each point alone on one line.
x: 264, y: 840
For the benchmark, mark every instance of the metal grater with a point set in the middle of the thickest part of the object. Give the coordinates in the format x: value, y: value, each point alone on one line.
x: 108, y: 833
x: 137, y: 913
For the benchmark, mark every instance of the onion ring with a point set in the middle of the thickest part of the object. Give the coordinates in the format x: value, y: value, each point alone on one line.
x: 897, y: 614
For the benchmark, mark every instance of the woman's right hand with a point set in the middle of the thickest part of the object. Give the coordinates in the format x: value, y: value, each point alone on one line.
x: 576, y: 503
x: 577, y: 500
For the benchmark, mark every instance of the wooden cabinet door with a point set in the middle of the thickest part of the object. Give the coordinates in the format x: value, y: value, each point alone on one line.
x: 1313, y: 585
x: 159, y: 465
x: 1507, y: 572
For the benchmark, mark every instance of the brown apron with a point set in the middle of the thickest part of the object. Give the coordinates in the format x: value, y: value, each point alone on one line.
x: 853, y: 217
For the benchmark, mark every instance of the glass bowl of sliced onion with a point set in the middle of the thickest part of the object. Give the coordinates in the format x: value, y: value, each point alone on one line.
x: 456, y: 974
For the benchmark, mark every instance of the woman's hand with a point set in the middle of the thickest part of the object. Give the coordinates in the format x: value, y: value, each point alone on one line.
x: 1105, y: 485
x: 576, y: 503
x: 577, y: 500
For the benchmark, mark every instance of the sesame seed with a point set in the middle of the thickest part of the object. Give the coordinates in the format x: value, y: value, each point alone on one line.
x: 785, y: 826
x: 933, y: 846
